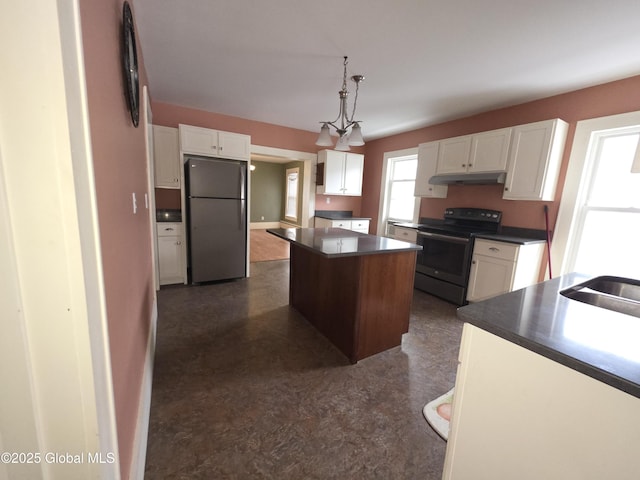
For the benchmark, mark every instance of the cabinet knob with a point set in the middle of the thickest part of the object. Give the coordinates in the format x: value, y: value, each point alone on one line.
x: 494, y: 249
x: 169, y: 229
x: 464, y: 164
x: 473, y: 262
x: 471, y: 164
x: 506, y: 189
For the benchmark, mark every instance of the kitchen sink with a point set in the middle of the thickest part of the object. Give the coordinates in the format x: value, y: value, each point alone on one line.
x: 613, y: 293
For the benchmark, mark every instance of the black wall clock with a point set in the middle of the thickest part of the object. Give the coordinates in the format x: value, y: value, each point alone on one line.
x: 130, y: 63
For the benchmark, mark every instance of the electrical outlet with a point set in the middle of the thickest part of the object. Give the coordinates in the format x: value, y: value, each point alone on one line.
x: 135, y: 204
x: 328, y: 199
x: 262, y: 217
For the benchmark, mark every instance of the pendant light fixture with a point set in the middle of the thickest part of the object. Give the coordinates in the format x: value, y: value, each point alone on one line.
x: 343, y: 123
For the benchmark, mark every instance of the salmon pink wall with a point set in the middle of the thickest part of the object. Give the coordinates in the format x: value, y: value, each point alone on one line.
x: 120, y: 170
x: 263, y: 134
x: 607, y: 99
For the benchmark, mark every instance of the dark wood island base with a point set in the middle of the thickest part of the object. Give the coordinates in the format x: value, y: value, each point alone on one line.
x: 360, y: 297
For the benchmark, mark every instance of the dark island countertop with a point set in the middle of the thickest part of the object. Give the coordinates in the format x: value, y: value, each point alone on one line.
x: 338, y: 242
x: 600, y: 343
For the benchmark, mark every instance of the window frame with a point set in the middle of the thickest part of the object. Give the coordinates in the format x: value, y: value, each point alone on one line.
x: 389, y: 159
x: 290, y: 171
x: 578, y: 182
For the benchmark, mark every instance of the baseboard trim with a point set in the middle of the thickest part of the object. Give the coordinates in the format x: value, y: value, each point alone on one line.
x: 139, y: 456
x: 263, y: 225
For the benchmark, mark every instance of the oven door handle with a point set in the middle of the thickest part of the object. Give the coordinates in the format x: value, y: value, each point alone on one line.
x: 448, y: 238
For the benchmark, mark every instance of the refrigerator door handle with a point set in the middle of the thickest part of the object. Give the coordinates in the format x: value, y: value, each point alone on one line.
x: 242, y: 182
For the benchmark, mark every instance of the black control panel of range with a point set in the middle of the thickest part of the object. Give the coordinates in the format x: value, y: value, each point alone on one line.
x: 454, y: 216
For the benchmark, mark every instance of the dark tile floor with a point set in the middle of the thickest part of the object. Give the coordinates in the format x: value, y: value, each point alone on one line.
x: 245, y: 388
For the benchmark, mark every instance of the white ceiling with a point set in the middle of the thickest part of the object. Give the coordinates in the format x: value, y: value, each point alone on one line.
x: 425, y: 61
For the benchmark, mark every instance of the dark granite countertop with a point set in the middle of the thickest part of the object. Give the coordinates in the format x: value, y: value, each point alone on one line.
x: 498, y: 237
x: 338, y: 242
x: 407, y: 225
x: 519, y: 236
x: 600, y: 343
x: 338, y: 215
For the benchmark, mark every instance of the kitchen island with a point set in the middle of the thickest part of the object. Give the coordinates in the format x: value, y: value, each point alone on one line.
x: 547, y: 387
x: 356, y: 289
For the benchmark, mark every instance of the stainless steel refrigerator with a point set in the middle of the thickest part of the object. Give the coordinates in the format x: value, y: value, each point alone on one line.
x: 216, y: 218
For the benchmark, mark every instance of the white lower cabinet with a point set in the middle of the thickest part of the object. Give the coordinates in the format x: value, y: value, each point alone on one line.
x: 171, y: 253
x: 500, y: 267
x: 361, y: 226
x: 519, y: 415
x: 405, y: 234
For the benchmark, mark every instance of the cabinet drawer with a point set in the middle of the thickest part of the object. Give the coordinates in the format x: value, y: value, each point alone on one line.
x: 341, y: 224
x: 360, y: 225
x: 493, y: 249
x: 166, y: 229
x: 406, y: 234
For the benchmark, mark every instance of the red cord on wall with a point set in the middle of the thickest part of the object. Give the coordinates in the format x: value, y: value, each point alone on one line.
x: 546, y: 221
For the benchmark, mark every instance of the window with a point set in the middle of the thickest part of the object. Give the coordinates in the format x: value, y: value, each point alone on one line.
x: 291, y: 204
x: 604, y: 227
x: 398, y: 201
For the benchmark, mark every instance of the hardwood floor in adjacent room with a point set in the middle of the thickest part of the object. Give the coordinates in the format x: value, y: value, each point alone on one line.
x: 265, y: 247
x: 244, y: 387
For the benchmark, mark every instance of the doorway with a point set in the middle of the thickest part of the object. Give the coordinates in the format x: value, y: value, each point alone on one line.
x: 271, y: 198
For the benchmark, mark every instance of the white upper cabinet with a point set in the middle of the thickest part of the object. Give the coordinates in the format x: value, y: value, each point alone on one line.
x: 202, y: 141
x: 166, y: 156
x: 214, y: 143
x: 340, y: 173
x: 453, y: 155
x: 234, y: 145
x: 427, y: 161
x: 534, y: 160
x: 480, y: 152
x: 490, y: 151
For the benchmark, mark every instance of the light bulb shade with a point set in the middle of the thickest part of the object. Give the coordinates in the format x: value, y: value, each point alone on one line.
x: 324, y: 139
x: 343, y: 143
x: 355, y: 138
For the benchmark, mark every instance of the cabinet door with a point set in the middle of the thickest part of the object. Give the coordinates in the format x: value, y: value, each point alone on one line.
x: 166, y: 155
x: 489, y: 277
x: 203, y: 141
x: 453, y: 155
x: 234, y: 145
x: 170, y: 260
x: 427, y: 162
x: 534, y: 160
x: 490, y: 151
x: 517, y: 414
x: 354, y: 163
x: 333, y: 172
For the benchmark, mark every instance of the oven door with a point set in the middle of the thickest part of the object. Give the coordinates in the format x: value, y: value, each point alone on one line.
x: 445, y: 257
